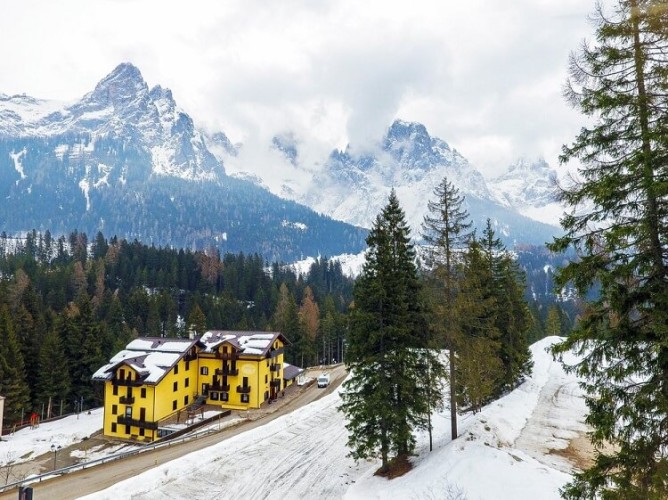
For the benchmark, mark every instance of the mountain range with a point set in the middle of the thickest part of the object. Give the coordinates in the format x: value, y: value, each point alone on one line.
x: 354, y: 187
x: 124, y: 159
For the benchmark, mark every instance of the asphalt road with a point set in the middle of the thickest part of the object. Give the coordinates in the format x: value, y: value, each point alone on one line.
x: 97, y: 478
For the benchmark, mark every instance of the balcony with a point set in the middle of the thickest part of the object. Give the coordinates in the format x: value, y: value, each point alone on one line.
x: 123, y: 420
x: 275, y: 383
x: 243, y: 389
x: 127, y: 383
x: 227, y: 355
x: 220, y: 387
x: 275, y: 352
x: 190, y: 357
x: 227, y: 371
x: 275, y: 367
x: 127, y: 400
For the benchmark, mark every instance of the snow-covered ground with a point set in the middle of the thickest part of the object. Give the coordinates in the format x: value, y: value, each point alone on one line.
x: 28, y: 443
x: 508, y: 451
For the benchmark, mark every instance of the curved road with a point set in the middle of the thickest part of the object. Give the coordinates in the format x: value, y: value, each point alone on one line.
x: 97, y: 478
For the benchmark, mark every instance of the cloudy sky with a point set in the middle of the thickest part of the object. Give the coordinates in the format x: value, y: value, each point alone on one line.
x: 484, y: 75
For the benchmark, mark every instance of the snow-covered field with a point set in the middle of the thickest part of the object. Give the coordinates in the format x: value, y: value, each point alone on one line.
x: 28, y: 443
x: 508, y: 451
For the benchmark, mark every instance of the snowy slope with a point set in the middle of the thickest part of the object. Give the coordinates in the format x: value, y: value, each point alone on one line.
x: 28, y: 443
x: 508, y: 451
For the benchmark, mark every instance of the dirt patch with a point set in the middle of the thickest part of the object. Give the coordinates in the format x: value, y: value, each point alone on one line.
x: 579, y: 452
x: 396, y: 468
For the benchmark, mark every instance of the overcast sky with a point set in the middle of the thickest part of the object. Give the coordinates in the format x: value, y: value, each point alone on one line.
x: 484, y: 75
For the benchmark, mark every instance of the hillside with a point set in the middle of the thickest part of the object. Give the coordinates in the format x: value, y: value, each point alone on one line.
x: 520, y: 441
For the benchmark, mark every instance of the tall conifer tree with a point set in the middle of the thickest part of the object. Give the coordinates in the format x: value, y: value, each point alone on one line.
x: 445, y: 230
x: 621, y: 81
x: 386, y: 398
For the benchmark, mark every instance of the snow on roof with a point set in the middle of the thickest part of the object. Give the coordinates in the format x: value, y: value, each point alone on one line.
x: 151, y: 366
x: 252, y: 343
x: 159, y: 344
x: 151, y: 358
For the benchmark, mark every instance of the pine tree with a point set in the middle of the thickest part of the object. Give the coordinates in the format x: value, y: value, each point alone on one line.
x: 53, y: 381
x: 621, y: 81
x: 479, y: 368
x: 506, y: 285
x: 13, y: 384
x: 286, y: 321
x: 445, y: 230
x: 389, y: 353
x: 196, y: 320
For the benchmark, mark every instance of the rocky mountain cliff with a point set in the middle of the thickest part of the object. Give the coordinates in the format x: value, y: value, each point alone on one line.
x: 354, y: 187
x: 125, y: 160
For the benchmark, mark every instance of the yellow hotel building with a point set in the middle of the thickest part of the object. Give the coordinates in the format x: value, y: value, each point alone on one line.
x: 154, y: 378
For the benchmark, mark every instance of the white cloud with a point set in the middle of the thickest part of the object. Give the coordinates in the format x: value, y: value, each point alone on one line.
x: 484, y: 75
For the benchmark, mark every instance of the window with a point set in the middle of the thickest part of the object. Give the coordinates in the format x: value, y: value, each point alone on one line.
x: 115, y: 390
x: 187, y: 382
x: 187, y: 365
x: 185, y: 401
x: 121, y: 373
x: 143, y: 392
x: 204, y: 370
x: 114, y: 409
x: 113, y: 428
x: 176, y: 369
x: 176, y: 386
x: 266, y: 395
x: 174, y: 405
x: 128, y: 411
x: 214, y: 396
x: 265, y: 379
x: 244, y: 398
x: 127, y: 429
x: 245, y: 383
x: 141, y: 431
x: 224, y: 396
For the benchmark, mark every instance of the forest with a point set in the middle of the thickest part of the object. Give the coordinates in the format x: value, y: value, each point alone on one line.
x: 68, y: 303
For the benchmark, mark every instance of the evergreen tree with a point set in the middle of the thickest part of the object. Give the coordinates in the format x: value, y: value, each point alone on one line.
x: 479, y: 369
x: 286, y: 321
x: 389, y: 353
x: 53, y: 381
x: 445, y: 230
x: 196, y: 320
x: 506, y: 285
x: 621, y: 81
x: 13, y: 384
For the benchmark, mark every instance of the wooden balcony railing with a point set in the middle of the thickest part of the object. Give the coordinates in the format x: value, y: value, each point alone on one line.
x: 123, y: 420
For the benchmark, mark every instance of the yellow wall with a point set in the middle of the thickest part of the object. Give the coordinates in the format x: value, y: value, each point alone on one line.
x: 157, y: 404
x: 160, y: 398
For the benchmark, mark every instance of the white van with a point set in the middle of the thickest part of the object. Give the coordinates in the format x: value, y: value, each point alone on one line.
x: 323, y: 380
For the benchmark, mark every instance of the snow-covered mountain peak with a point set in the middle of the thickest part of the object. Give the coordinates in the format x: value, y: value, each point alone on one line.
x: 121, y: 87
x: 529, y: 186
x: 287, y: 145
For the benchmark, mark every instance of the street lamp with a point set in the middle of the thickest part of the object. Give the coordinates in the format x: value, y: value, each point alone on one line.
x: 55, y: 449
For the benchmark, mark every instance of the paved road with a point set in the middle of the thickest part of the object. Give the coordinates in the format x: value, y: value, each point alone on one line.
x: 100, y: 477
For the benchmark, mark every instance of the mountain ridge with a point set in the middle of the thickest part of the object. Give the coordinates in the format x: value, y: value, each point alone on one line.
x: 126, y: 160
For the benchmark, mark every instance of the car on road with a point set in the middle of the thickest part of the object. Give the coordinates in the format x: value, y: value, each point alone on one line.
x: 323, y: 380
